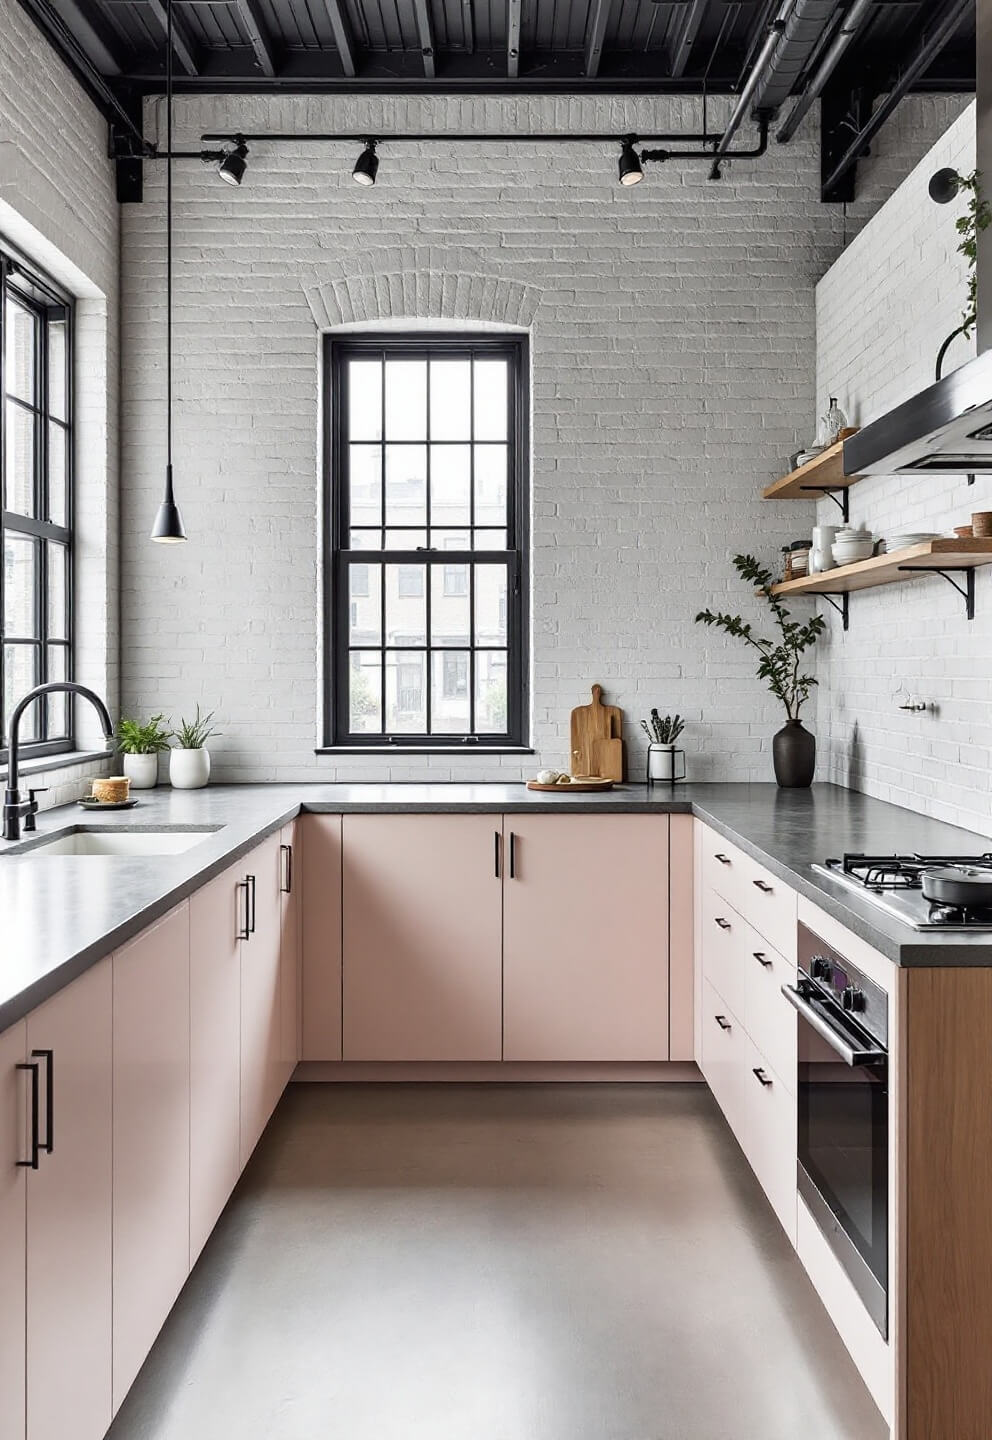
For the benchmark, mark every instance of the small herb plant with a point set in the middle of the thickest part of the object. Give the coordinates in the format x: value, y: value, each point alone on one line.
x: 150, y: 737
x: 663, y: 731
x: 194, y: 734
x: 977, y: 217
x: 780, y: 664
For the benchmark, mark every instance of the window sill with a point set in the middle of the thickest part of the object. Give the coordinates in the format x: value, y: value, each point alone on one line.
x: 60, y: 761
x: 424, y: 750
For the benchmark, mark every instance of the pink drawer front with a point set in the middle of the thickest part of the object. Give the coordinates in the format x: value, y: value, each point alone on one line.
x: 723, y: 867
x: 724, y: 945
x: 770, y: 905
x: 769, y: 1134
x: 724, y: 1051
x: 768, y: 1017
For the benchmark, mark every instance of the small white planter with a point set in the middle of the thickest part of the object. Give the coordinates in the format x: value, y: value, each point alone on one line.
x: 665, y: 762
x: 189, y: 769
x: 142, y: 771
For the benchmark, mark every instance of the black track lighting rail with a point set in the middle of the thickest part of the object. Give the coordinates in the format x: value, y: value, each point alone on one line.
x: 476, y: 137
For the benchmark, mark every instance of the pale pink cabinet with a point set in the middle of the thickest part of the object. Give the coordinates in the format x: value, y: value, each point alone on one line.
x: 321, y: 978
x: 151, y: 1137
x: 585, y: 938
x: 15, y: 1149
x: 261, y: 991
x: 216, y: 917
x: 421, y: 926
x: 290, y: 886
x: 69, y: 1266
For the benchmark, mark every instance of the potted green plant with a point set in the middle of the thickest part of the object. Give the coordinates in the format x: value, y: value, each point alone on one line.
x: 662, y: 733
x: 976, y: 218
x: 141, y: 742
x: 780, y: 665
x: 189, y: 761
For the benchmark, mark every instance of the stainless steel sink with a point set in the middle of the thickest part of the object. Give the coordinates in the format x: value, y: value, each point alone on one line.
x: 123, y: 843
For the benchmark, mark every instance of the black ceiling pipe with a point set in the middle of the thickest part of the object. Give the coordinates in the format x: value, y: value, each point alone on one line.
x: 775, y: 31
x: 849, y: 27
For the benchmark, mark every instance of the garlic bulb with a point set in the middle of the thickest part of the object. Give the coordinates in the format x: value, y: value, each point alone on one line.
x: 547, y: 777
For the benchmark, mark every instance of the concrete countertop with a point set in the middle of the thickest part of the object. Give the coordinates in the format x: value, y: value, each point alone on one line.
x: 62, y: 913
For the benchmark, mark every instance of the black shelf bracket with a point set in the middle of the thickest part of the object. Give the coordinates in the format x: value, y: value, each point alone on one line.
x: 839, y: 494
x: 843, y: 608
x: 966, y: 591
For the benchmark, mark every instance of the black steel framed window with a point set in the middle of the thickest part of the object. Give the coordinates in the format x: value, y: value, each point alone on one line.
x: 426, y: 544
x: 36, y: 468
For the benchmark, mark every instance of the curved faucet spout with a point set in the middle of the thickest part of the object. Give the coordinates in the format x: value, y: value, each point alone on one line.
x: 68, y: 687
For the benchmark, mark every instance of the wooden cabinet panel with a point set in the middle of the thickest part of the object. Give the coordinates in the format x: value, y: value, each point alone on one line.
x: 261, y: 1079
x: 215, y: 918
x: 151, y: 1137
x: 69, y: 1265
x: 290, y: 881
x: 14, y: 1147
x: 421, y: 926
x: 321, y: 977
x: 585, y: 938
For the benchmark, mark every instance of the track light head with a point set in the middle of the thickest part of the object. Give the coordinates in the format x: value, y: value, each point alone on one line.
x: 234, y: 164
x: 629, y: 166
x: 944, y: 185
x: 366, y: 165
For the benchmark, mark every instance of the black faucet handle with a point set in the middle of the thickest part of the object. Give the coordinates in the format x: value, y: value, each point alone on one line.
x: 32, y: 807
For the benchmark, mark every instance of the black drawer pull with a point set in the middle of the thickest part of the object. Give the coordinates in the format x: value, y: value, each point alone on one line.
x: 48, y: 1144
x: 513, y: 856
x: 32, y: 1164
x: 723, y: 1022
x: 762, y: 959
x: 496, y: 839
x: 723, y: 924
x: 760, y: 885
x: 243, y: 934
x: 287, y: 869
x: 251, y: 892
x: 723, y: 859
x: 761, y: 1077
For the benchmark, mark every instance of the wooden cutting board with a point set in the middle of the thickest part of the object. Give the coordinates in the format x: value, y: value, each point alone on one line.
x: 596, y: 743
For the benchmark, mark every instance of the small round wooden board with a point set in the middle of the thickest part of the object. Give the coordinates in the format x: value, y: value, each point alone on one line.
x: 586, y: 783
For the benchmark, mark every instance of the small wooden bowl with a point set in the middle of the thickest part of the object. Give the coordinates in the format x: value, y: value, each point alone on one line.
x: 981, y: 524
x: 111, y: 790
x: 964, y: 532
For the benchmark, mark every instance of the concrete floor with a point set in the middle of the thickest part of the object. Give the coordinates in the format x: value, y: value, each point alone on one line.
x: 498, y: 1263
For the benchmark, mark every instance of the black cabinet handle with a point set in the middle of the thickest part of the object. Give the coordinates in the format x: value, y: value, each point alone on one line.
x: 723, y: 924
x: 48, y: 1144
x: 762, y: 959
x: 723, y: 1022
x: 244, y: 932
x: 761, y: 1077
x: 723, y: 859
x: 513, y: 856
x: 251, y: 892
x: 32, y: 1066
x: 496, y: 853
x: 287, y: 869
x: 760, y: 885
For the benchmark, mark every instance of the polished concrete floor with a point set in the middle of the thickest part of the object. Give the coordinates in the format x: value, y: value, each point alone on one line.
x: 498, y: 1263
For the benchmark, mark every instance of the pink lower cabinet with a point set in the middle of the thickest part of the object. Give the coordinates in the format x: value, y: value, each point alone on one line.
x: 421, y: 927
x: 261, y: 991
x: 321, y: 959
x: 290, y: 884
x: 151, y: 1137
x: 216, y: 917
x: 15, y: 1149
x: 585, y: 938
x: 69, y: 1268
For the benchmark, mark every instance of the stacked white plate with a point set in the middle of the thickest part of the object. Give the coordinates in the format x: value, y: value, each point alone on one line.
x: 904, y: 540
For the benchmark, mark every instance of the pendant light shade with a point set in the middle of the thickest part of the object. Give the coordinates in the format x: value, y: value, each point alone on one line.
x: 168, y: 528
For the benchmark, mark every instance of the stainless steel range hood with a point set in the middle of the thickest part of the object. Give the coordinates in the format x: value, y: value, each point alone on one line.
x: 945, y: 430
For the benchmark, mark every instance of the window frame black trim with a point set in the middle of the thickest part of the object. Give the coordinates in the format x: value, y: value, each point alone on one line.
x: 50, y: 296
x: 336, y: 735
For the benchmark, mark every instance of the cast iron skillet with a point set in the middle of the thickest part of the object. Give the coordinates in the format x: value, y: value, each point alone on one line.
x: 958, y: 885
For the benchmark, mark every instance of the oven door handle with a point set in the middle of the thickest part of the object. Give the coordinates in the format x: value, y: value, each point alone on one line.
x: 850, y: 1054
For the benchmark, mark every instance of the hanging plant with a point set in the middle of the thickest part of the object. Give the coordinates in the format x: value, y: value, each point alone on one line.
x: 977, y: 217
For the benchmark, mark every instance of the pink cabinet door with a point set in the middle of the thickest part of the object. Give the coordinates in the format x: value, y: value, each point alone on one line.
x: 151, y: 1137
x: 290, y: 880
x: 215, y: 919
x: 15, y: 1148
x: 421, y: 926
x: 585, y: 938
x: 69, y: 1265
x: 321, y: 900
x: 681, y: 931
x: 261, y: 1082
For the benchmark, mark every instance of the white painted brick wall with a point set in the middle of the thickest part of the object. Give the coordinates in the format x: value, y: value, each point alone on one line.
x: 882, y: 311
x: 57, y: 204
x: 673, y: 369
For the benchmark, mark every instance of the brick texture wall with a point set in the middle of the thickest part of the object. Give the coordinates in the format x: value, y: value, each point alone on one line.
x: 882, y: 311
x: 673, y: 332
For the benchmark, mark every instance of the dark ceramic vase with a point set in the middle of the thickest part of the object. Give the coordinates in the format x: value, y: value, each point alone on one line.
x: 794, y: 755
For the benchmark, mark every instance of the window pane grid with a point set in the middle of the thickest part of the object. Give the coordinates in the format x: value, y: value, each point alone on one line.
x: 400, y: 410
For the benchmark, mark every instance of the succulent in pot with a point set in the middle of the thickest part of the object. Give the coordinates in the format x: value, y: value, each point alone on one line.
x: 141, y: 742
x: 189, y: 760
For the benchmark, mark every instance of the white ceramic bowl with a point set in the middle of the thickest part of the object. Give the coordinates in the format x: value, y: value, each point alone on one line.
x: 846, y: 552
x: 905, y: 540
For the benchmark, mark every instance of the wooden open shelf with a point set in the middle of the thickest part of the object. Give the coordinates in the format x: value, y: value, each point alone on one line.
x: 816, y: 477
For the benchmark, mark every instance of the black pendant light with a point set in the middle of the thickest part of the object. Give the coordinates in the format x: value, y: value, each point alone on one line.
x: 168, y: 528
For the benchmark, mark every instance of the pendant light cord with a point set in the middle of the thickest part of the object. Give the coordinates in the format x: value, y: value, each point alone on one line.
x: 168, y: 246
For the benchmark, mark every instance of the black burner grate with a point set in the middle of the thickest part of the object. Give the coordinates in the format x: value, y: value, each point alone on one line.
x: 900, y: 872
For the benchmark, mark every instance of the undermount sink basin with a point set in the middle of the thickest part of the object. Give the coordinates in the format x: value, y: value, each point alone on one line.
x: 122, y: 843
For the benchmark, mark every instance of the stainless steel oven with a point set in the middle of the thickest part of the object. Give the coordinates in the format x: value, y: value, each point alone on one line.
x: 843, y: 1098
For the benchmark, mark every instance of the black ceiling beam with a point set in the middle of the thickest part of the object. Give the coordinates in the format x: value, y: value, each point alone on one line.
x: 426, y: 33
x: 844, y: 109
x: 258, y: 33
x: 341, y: 30
x: 599, y: 17
x: 63, y: 40
x: 692, y: 20
x: 941, y: 26
x: 512, y: 39
x: 182, y: 44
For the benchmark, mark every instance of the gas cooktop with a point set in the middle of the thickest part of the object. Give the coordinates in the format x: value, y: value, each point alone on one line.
x: 895, y: 883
